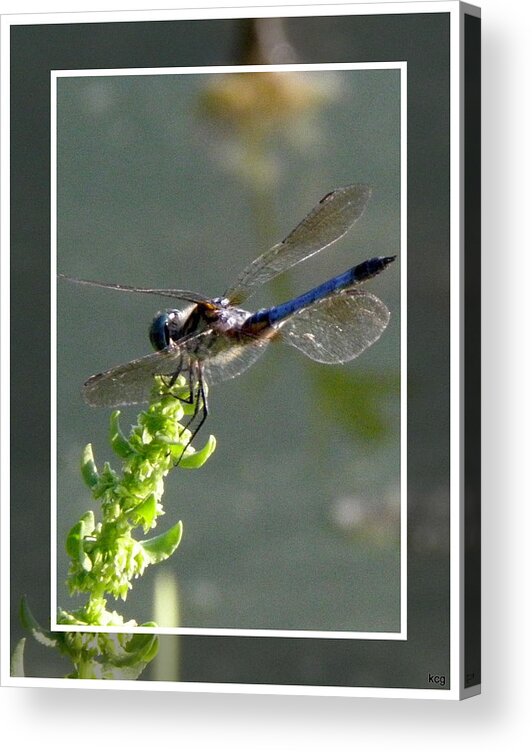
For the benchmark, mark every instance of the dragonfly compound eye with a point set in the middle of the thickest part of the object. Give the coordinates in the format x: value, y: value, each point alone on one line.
x: 159, y: 334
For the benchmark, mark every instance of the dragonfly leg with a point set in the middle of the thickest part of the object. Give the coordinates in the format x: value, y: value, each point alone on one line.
x: 200, y: 403
x: 191, y: 399
x: 191, y: 385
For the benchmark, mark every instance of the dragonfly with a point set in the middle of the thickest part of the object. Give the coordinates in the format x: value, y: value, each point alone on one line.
x: 211, y: 340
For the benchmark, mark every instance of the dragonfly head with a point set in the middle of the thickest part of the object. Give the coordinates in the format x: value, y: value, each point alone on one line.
x: 166, y: 327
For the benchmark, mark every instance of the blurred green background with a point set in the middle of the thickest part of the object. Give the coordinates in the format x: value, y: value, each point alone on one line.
x: 180, y: 181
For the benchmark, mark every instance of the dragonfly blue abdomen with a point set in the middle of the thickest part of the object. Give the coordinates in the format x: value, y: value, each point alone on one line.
x: 359, y: 273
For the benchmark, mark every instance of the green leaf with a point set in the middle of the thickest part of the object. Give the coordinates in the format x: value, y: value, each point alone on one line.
x: 140, y: 649
x: 162, y: 546
x: 146, y: 511
x: 28, y: 621
x: 17, y: 659
x: 76, y: 539
x: 89, y: 471
x: 120, y: 444
x: 149, y: 649
x: 199, y: 458
x: 123, y: 673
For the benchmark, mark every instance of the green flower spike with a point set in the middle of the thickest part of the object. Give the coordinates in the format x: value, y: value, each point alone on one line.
x: 105, y: 558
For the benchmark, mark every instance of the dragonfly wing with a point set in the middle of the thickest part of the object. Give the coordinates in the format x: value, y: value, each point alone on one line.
x: 337, y: 328
x: 131, y: 383
x: 325, y: 224
x: 193, y: 297
x: 233, y: 359
x: 222, y: 358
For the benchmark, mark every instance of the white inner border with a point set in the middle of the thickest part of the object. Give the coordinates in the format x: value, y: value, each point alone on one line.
x: 208, y: 70
x: 456, y: 11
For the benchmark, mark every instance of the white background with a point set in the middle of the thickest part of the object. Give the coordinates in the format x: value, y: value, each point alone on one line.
x: 500, y: 717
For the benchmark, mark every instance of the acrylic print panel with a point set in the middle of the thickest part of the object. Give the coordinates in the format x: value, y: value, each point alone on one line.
x: 296, y: 525
x: 180, y: 180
